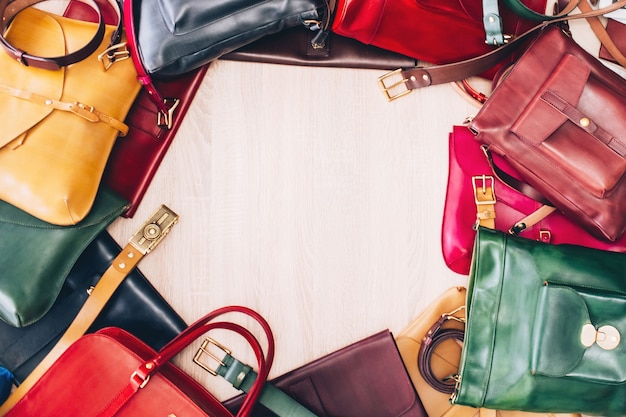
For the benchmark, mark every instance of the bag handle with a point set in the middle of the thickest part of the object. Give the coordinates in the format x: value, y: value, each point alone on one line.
x: 418, y: 77
x: 141, y: 376
x: 10, y: 8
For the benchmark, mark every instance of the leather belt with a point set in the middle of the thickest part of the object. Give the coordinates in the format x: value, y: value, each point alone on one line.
x: 434, y: 337
x: 9, y: 9
x: 242, y: 377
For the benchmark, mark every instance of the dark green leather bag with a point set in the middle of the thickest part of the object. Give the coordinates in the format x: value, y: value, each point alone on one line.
x: 36, y: 257
x: 546, y: 328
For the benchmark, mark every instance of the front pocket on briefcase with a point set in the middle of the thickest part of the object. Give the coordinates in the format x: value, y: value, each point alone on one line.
x: 566, y: 125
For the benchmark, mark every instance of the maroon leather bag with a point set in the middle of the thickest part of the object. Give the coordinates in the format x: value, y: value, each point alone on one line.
x: 135, y: 158
x: 364, y: 379
x: 434, y: 31
x: 469, y: 170
x: 559, y: 119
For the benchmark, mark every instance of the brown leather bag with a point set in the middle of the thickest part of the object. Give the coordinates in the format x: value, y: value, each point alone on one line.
x: 559, y: 119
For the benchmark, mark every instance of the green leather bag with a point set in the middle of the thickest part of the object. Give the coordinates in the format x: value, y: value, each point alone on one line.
x: 546, y: 328
x: 36, y: 257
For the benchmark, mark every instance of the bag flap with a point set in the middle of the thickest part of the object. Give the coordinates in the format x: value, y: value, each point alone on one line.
x: 561, y: 314
x: 35, y: 256
x: 579, y: 333
x: 541, y: 119
x: 39, y: 34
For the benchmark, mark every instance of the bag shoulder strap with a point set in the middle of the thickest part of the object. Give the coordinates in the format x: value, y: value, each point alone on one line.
x: 401, y: 82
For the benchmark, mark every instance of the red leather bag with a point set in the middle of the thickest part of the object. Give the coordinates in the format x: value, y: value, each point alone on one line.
x: 469, y: 170
x: 112, y: 373
x: 434, y: 31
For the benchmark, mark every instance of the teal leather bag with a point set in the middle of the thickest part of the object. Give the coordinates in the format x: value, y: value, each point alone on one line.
x: 36, y: 257
x: 546, y: 328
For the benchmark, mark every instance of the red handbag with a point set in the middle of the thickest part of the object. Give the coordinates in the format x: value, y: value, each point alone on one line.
x: 112, y: 373
x: 434, y: 31
x: 476, y: 193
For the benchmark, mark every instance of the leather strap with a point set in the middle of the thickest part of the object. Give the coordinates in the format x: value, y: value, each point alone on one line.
x: 531, y: 220
x: 85, y: 111
x: 525, y: 12
x: 406, y: 80
x: 604, y: 37
x: 434, y: 337
x: 165, y: 106
x: 492, y: 22
x: 9, y: 9
x: 140, y: 245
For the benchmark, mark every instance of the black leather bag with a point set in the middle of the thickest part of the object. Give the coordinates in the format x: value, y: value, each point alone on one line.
x: 175, y: 36
x: 136, y: 306
x: 294, y: 46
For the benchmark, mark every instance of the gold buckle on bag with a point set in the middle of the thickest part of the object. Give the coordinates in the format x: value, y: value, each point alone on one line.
x: 164, y: 120
x: 113, y: 54
x: 204, y: 350
x: 154, y: 230
x: 482, y: 196
x: 387, y: 88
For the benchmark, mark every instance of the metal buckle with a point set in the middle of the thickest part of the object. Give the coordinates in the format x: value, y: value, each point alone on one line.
x: 483, y: 198
x: 154, y: 230
x: 545, y: 236
x: 204, y: 350
x: 85, y: 111
x: 451, y: 315
x: 113, y: 54
x: 164, y: 120
x: 143, y: 382
x: 382, y: 81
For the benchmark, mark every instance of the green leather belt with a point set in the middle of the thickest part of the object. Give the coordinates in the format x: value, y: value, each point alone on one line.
x: 242, y: 377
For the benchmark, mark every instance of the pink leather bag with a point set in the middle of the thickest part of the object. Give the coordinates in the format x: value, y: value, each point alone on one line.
x: 499, y: 204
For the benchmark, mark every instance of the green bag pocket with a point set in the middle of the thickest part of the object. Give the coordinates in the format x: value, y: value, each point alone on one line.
x: 579, y: 334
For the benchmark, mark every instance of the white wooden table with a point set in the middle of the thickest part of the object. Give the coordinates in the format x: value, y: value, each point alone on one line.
x: 305, y: 195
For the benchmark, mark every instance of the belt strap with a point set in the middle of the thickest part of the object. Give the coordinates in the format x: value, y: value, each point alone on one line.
x: 434, y: 337
x: 85, y: 111
x: 400, y: 82
x: 9, y: 9
x: 142, y: 243
x: 242, y: 377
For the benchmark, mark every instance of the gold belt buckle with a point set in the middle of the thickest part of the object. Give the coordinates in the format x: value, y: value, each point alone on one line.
x: 113, y: 54
x: 204, y: 349
x: 387, y: 88
x: 483, y: 193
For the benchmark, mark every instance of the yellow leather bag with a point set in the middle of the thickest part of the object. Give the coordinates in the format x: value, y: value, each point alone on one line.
x: 59, y: 126
x: 445, y: 358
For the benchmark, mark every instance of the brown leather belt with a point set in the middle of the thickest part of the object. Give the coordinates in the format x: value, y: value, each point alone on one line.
x: 9, y: 9
x: 434, y: 337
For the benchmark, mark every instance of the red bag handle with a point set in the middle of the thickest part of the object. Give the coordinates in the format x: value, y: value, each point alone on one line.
x: 141, y: 376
